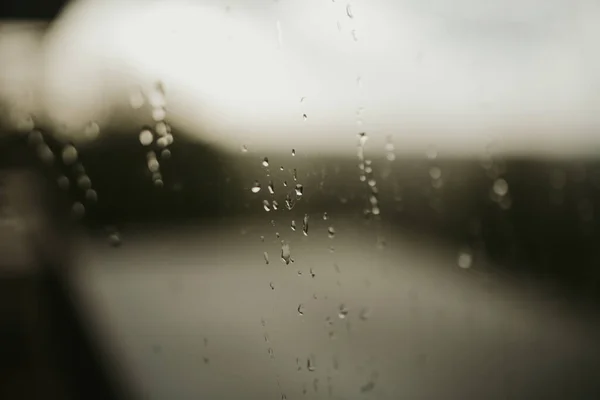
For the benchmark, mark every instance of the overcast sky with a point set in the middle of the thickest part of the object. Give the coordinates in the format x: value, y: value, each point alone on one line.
x: 429, y: 70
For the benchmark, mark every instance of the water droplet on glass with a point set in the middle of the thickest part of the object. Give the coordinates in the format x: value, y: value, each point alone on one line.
x: 299, y: 189
x: 146, y: 137
x: 265, y: 162
x: 300, y: 309
x: 293, y: 152
x: 69, y: 155
x: 354, y: 35
x: 63, y: 182
x: 293, y: 225
x: 295, y: 174
x: 266, y: 205
x: 432, y: 152
x: 266, y: 256
x: 305, y: 225
x: 343, y: 312
x: 262, y: 238
x: 312, y: 273
x: 331, y: 232
x: 310, y: 364
x: 136, y: 100
x: 367, y: 387
x: 84, y: 182
x: 78, y: 209
x: 91, y: 130
x: 162, y: 128
x: 281, y: 169
x: 159, y: 114
x: 272, y: 285
x: 465, y: 259
x: 165, y: 154
x: 289, y: 202
x: 275, y: 205
x: 349, y: 11
x: 271, y: 188
x: 362, y: 138
x: 285, y: 253
x: 114, y: 239
x: 364, y: 314
x: 35, y: 138
x: 91, y: 195
x: 244, y: 149
x: 256, y: 187
x: 435, y: 173
x: 304, y: 117
x: 153, y: 165
x: 500, y: 187
x: 45, y: 154
x: 325, y: 216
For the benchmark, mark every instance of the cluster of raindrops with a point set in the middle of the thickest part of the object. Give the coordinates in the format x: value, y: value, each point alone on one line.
x: 159, y: 136
x: 72, y: 167
x: 366, y: 175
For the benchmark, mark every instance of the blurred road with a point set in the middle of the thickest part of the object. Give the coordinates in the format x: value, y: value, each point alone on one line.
x: 197, y: 313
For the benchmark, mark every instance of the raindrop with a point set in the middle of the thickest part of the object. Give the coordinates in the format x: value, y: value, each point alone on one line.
x: 500, y: 187
x: 159, y: 183
x: 272, y: 285
x: 114, y: 239
x: 159, y: 114
x: 91, y: 195
x: 256, y: 187
x: 266, y: 205
x: 162, y: 128
x: 63, y: 182
x: 325, y: 216
x: 146, y: 137
x: 354, y: 35
x: 310, y: 364
x: 293, y: 226
x: 69, y: 154
x: 300, y: 309
x: 285, y: 253
x: 84, y: 182
x: 343, y: 312
x: 465, y: 259
x: 299, y: 189
x: 371, y: 182
x: 349, y: 11
x: 275, y: 205
x: 331, y: 232
x: 431, y: 152
x: 35, y: 138
x: 266, y: 256
x: 293, y: 152
x: 262, y: 238
x: 281, y: 168
x: 304, y: 117
x: 289, y: 202
x: 312, y: 273
x: 91, y: 130
x: 375, y: 210
x: 271, y: 188
x: 305, y: 225
x: 45, y: 154
x: 78, y: 209
x: 367, y: 387
x: 136, y: 100
x: 265, y: 162
x: 153, y: 164
x: 284, y: 182
x: 165, y: 154
x: 244, y: 148
x: 435, y: 173
x: 362, y: 138
x: 364, y: 314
